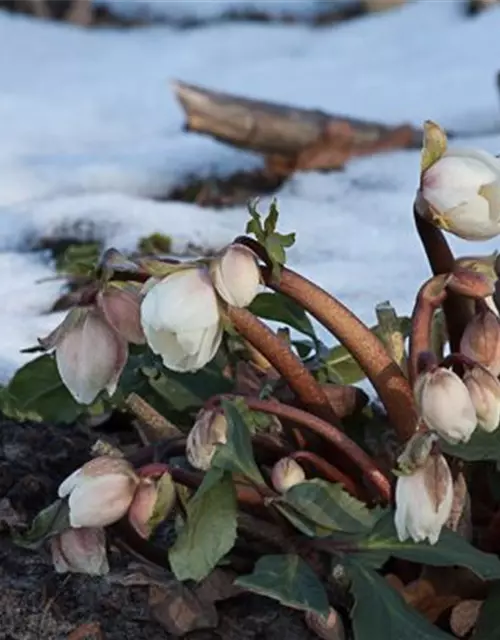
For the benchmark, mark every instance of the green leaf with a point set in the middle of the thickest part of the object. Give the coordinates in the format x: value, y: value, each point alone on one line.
x: 189, y: 391
x: 450, y: 550
x: 78, y: 259
x: 289, y: 580
x: 481, y: 446
x: 237, y: 454
x: 281, y: 308
x: 156, y: 243
x: 37, y: 392
x: 49, y: 522
x: 272, y: 218
x: 165, y: 500
x: 488, y: 624
x: 343, y: 368
x: 209, y: 532
x: 380, y: 612
x: 329, y: 506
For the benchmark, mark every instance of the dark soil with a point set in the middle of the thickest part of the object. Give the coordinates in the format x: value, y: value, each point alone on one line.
x: 38, y: 604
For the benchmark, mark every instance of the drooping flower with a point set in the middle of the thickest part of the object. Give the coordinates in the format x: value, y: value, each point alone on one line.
x: 209, y: 430
x: 153, y: 501
x: 90, y: 355
x: 100, y: 492
x: 80, y: 550
x: 286, y: 473
x: 236, y: 275
x: 445, y: 405
x: 181, y: 319
x: 424, y: 500
x: 462, y: 191
x: 484, y: 390
x: 481, y: 340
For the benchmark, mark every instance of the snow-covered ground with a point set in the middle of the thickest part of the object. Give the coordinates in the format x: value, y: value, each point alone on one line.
x: 90, y: 133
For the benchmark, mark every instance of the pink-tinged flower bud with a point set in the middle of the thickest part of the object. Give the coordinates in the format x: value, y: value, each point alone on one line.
x: 462, y: 190
x: 329, y: 628
x: 152, y: 503
x: 209, y: 430
x: 236, y: 275
x: 90, y: 355
x: 100, y: 492
x: 181, y: 319
x: 481, y: 340
x: 423, y: 501
x: 287, y: 473
x: 80, y: 551
x: 121, y: 305
x: 484, y: 390
x: 444, y: 405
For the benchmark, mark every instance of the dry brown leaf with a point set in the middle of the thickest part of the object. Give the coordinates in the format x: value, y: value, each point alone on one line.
x: 464, y: 617
x: 179, y: 610
x: 90, y: 631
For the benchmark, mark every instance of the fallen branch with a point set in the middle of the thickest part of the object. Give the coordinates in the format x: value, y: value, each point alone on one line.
x: 290, y: 138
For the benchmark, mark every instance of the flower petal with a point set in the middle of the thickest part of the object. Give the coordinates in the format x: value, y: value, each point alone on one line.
x: 100, y: 501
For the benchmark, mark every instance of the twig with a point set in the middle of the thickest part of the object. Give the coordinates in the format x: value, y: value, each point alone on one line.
x: 325, y: 469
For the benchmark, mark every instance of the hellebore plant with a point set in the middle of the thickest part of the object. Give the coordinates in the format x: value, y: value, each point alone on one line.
x: 259, y: 457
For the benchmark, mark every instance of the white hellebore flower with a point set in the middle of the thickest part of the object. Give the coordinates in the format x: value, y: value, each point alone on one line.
x: 445, y: 405
x: 90, y: 354
x: 423, y: 501
x: 181, y: 320
x: 484, y: 390
x: 286, y: 473
x: 100, y: 492
x: 463, y: 191
x: 236, y: 275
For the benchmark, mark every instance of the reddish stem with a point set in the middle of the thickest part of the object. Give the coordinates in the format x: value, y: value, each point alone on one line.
x: 456, y: 310
x: 430, y: 296
x: 327, y: 470
x: 329, y: 432
x: 300, y: 380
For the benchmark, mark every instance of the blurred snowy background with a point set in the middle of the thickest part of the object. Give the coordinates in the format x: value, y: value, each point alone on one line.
x: 91, y: 139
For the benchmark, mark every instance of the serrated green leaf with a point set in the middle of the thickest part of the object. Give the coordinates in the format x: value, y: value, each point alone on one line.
x: 209, y: 532
x: 281, y: 308
x: 237, y: 454
x: 488, y: 624
x: 79, y: 259
x: 289, y: 580
x: 329, y: 506
x: 380, y: 612
x: 37, y: 392
x: 49, y: 522
x: 286, y: 240
x: 272, y: 218
x: 450, y: 550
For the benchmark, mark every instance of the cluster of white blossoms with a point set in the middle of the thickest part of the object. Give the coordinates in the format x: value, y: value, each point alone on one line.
x: 460, y: 193
x: 181, y: 315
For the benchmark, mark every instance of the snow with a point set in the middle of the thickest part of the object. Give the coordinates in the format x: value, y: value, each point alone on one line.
x: 91, y: 136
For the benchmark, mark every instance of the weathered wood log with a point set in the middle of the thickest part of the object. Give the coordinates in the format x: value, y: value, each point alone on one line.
x: 290, y: 138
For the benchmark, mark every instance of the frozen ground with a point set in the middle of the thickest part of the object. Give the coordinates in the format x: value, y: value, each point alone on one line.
x: 90, y: 133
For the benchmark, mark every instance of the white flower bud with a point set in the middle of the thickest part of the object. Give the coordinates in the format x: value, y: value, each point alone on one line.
x: 423, y: 501
x: 209, y: 430
x: 181, y: 320
x: 100, y: 492
x: 236, y: 275
x: 462, y: 190
x: 481, y: 340
x: 148, y: 497
x: 286, y: 473
x: 330, y: 628
x: 484, y: 390
x: 445, y: 405
x: 80, y: 551
x: 90, y: 355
